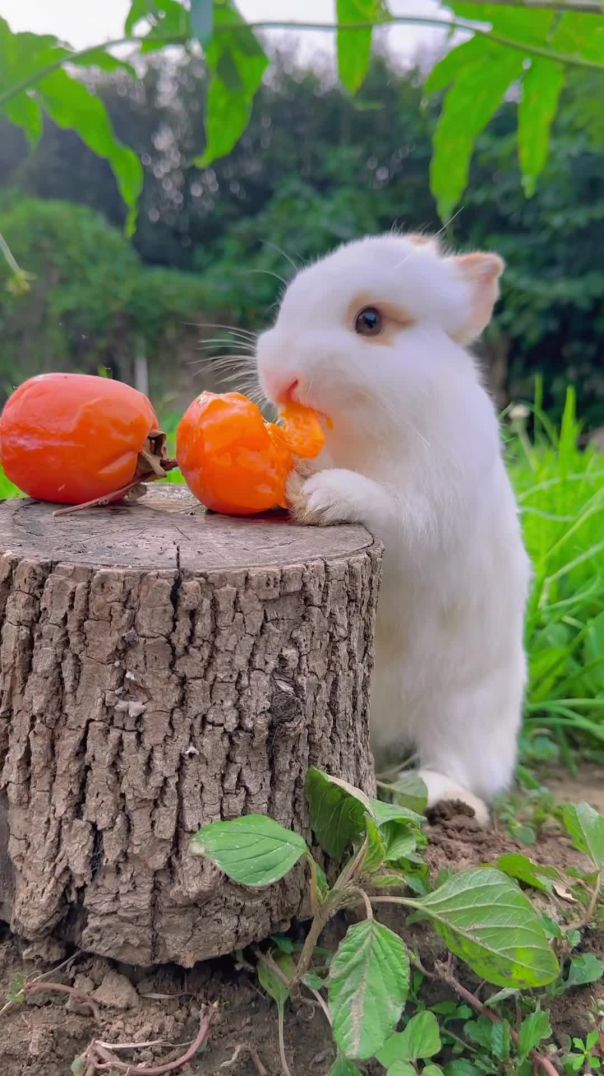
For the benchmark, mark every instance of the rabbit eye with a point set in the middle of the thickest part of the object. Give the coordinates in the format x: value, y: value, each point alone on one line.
x: 368, y: 322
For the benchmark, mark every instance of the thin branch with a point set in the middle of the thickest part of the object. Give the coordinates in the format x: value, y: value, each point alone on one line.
x: 99, y: 1059
x: 282, y: 1055
x: 61, y: 988
x: 528, y: 49
x: 443, y: 973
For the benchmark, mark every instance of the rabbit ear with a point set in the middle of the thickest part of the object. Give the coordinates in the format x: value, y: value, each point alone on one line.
x: 481, y: 272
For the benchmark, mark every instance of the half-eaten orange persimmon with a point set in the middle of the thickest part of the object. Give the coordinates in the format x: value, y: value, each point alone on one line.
x: 237, y: 463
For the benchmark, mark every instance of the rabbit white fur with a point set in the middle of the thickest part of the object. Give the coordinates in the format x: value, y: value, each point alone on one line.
x: 413, y: 452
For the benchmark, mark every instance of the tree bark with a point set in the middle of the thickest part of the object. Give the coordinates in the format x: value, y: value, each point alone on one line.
x: 161, y: 668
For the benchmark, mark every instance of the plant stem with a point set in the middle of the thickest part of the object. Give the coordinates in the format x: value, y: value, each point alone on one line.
x: 528, y: 49
x: 9, y: 257
x: 284, y: 1064
x: 443, y: 973
x: 590, y: 911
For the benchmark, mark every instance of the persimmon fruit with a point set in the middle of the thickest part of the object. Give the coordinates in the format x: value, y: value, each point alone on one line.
x: 76, y: 438
x: 233, y: 460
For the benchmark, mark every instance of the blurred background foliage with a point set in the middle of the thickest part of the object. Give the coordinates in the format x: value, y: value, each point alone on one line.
x: 314, y: 168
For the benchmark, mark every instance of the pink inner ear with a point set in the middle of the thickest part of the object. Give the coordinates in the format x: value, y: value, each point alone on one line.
x: 482, y: 272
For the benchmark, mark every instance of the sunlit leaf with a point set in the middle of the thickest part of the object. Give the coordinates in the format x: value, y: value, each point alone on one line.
x: 25, y: 112
x: 253, y: 850
x: 338, y: 812
x: 419, y: 1039
x: 71, y: 105
x: 541, y: 89
x: 410, y: 791
x: 524, y: 870
x: 586, y: 829
x: 367, y: 988
x: 533, y: 1030
x: 354, y: 46
x: 237, y: 63
x: 343, y: 1067
x: 584, y: 968
x: 470, y: 103
x: 489, y: 923
x: 105, y: 61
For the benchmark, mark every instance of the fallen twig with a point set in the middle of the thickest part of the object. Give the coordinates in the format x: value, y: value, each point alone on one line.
x: 100, y: 1059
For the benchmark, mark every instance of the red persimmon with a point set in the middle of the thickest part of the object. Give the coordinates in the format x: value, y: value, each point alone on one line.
x: 74, y: 438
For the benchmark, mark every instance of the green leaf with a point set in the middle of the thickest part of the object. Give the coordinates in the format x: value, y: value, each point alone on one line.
x: 410, y: 791
x: 533, y: 1030
x: 237, y: 63
x: 367, y: 988
x: 338, y: 812
x: 399, y: 844
x: 25, y: 112
x: 461, y: 1068
x: 446, y: 70
x: 472, y: 101
x: 104, y: 60
x: 390, y: 812
x: 202, y: 19
x: 524, y: 870
x: 419, y: 1039
x: 584, y: 969
x: 586, y: 829
x: 170, y: 20
x: 253, y: 850
x: 487, y: 921
x: 343, y: 1067
x: 402, y: 1068
x: 432, y: 1070
x: 270, y: 981
x: 376, y: 847
x: 541, y: 89
x: 71, y: 105
x: 354, y: 46
x: 139, y: 10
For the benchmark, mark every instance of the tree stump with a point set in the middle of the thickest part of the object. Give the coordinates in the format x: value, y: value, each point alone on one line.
x: 162, y: 668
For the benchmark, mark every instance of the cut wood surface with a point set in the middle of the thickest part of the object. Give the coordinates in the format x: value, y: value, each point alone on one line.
x: 162, y: 668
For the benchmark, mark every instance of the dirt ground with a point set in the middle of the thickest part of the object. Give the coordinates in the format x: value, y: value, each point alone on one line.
x: 44, y: 1037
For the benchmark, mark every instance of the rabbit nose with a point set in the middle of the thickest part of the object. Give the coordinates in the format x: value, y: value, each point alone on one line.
x: 281, y: 389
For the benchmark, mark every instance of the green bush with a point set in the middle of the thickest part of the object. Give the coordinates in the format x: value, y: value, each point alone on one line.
x: 92, y: 302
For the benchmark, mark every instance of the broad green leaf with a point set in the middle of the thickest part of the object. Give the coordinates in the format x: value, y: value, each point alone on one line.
x: 25, y: 112
x: 410, y: 791
x: 472, y: 101
x: 419, y: 1039
x: 202, y: 19
x: 402, y: 1068
x: 389, y: 812
x: 516, y: 23
x: 487, y: 921
x: 533, y: 1030
x: 139, y: 10
x: 524, y: 870
x: 367, y: 988
x: 541, y: 89
x: 343, y: 1067
x: 104, y: 61
x: 446, y: 70
x: 400, y: 844
x: 354, y: 46
x: 71, y: 105
x: 432, y: 1070
x: 338, y: 812
x: 461, y: 1068
x: 579, y: 35
x: 270, y: 981
x: 237, y: 63
x: 253, y: 850
x: 584, y: 969
x: 170, y: 21
x: 376, y: 847
x: 586, y: 829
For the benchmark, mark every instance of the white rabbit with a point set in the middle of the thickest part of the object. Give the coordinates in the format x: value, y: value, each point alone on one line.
x: 374, y: 337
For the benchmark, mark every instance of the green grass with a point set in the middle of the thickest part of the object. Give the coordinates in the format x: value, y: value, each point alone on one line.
x: 560, y: 490
x: 561, y: 495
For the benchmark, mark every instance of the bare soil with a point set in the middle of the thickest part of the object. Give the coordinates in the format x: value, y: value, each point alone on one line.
x: 43, y: 1037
